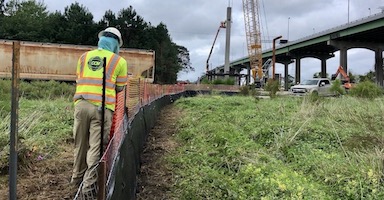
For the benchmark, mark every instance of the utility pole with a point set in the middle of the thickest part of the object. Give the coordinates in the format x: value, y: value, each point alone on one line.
x: 288, y: 28
x: 274, y: 56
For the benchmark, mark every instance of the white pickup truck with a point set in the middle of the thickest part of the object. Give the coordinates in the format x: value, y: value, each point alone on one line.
x: 320, y: 86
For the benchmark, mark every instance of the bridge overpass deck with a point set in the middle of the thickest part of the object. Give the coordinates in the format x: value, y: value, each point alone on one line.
x: 366, y: 33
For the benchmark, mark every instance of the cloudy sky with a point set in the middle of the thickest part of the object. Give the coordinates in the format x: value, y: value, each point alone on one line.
x: 193, y: 24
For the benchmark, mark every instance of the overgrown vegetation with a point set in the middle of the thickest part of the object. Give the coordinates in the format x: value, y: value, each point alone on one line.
x: 272, y: 87
x: 281, y: 148
x: 366, y: 89
x: 45, y: 120
x: 245, y: 90
x: 337, y: 88
x: 219, y: 81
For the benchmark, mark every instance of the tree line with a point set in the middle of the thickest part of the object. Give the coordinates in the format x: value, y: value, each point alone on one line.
x: 29, y: 20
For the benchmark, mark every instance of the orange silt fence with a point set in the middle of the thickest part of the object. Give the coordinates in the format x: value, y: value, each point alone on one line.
x: 137, y: 94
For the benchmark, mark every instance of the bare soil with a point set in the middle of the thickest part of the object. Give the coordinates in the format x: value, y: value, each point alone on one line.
x: 43, y: 178
x: 155, y: 180
x: 48, y: 178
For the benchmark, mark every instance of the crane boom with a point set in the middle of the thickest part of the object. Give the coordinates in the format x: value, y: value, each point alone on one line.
x: 252, y: 31
x: 222, y: 25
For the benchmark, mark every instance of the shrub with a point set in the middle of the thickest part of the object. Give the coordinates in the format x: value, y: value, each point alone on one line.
x: 272, y: 87
x: 227, y: 81
x: 337, y: 88
x: 46, y: 89
x: 366, y: 89
x: 244, y: 90
x: 205, y: 81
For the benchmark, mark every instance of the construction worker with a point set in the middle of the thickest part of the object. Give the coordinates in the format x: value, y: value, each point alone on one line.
x: 88, y: 99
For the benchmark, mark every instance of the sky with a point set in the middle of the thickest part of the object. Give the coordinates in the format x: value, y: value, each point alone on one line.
x: 193, y: 24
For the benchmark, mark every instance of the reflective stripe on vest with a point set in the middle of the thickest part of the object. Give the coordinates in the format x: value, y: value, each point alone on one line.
x: 112, y: 66
x: 89, y: 87
x: 95, y: 97
x: 122, y: 79
x: 95, y: 82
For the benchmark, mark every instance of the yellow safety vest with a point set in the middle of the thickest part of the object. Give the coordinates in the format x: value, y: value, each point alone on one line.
x: 89, y: 82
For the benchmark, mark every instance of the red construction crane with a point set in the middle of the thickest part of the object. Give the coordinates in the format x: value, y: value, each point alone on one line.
x: 222, y: 25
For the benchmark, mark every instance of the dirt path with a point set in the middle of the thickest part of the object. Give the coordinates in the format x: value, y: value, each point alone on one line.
x: 155, y: 178
x: 44, y: 179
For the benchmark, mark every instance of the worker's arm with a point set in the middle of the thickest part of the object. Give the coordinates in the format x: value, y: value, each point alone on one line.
x: 122, y: 76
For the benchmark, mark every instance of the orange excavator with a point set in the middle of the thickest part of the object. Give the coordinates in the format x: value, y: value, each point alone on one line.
x: 345, y: 80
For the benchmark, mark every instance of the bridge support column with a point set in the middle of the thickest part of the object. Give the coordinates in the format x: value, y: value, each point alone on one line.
x: 297, y: 70
x: 379, y: 66
x: 248, y: 77
x: 344, y: 59
x: 286, y: 78
x: 343, y: 46
x: 323, y: 72
x: 286, y: 75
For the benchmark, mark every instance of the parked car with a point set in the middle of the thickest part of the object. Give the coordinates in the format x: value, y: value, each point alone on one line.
x: 320, y: 86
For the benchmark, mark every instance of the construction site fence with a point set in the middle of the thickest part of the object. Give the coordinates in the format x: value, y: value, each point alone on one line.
x: 135, y: 114
x: 136, y: 109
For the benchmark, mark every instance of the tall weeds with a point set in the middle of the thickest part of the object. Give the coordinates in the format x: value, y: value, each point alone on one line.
x: 275, y: 148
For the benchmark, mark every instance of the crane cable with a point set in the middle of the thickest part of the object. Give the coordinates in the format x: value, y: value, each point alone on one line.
x: 266, y: 24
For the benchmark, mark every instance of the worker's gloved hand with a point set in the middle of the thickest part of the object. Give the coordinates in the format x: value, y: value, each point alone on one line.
x: 119, y: 88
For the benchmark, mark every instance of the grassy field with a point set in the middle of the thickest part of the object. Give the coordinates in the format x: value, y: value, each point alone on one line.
x: 45, y: 120
x: 232, y: 147
x: 281, y: 148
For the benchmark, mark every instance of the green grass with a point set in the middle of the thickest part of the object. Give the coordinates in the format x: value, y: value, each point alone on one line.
x: 45, y: 120
x: 43, y: 126
x: 282, y: 148
x: 236, y: 147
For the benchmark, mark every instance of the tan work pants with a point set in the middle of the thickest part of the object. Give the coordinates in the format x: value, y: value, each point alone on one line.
x: 86, y: 132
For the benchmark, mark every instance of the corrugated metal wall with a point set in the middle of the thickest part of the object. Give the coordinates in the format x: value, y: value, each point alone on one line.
x: 58, y: 62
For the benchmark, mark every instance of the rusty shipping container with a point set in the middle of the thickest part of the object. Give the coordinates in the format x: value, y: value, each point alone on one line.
x: 47, y: 61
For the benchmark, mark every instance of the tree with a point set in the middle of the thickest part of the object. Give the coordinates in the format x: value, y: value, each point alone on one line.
x: 318, y: 75
x: 133, y: 28
x: 167, y: 65
x: 2, y: 11
x: 54, y: 29
x: 2, y: 7
x: 109, y: 19
x: 30, y: 21
x: 183, y: 59
x: 79, y: 25
x: 24, y: 21
x: 369, y: 76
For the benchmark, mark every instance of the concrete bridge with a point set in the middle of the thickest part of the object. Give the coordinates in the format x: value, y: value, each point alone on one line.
x: 365, y: 33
